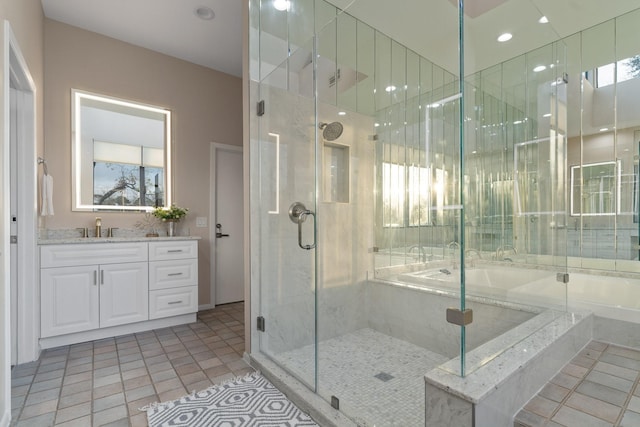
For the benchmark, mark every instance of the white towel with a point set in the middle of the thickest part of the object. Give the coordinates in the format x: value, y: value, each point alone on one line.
x: 47, y: 195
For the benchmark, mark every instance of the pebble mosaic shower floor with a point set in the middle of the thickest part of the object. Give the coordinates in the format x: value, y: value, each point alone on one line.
x: 378, y: 379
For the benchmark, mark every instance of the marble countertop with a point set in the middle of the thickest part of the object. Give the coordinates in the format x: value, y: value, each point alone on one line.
x: 78, y: 240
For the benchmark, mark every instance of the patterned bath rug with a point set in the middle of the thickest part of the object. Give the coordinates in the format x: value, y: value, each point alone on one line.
x: 244, y: 401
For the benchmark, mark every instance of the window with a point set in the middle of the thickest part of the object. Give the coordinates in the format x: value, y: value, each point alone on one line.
x: 127, y: 175
x: 393, y: 194
x: 406, y: 194
x: 620, y: 71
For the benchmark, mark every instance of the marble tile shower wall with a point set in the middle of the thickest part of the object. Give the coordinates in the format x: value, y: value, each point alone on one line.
x: 286, y: 271
x: 345, y: 229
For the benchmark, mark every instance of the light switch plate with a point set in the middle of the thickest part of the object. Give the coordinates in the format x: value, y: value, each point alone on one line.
x: 201, y: 221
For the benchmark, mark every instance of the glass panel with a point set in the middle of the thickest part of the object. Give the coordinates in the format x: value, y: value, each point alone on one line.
x: 273, y: 45
x: 514, y: 168
x: 627, y: 127
x: 347, y: 70
x: 597, y: 145
x: 365, y: 54
x: 287, y: 159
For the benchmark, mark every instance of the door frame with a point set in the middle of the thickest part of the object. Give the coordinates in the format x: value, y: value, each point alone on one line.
x: 212, y: 213
x: 28, y: 307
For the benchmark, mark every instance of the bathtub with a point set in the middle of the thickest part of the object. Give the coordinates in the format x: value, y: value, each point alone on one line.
x: 493, y: 281
x: 607, y: 294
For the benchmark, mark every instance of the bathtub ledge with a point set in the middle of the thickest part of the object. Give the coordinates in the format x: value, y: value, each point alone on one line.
x: 494, y: 391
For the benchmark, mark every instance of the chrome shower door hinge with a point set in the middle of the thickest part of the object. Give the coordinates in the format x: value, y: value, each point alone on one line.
x: 260, y: 324
x: 260, y: 108
x: 459, y: 317
x: 562, y: 277
x: 335, y: 403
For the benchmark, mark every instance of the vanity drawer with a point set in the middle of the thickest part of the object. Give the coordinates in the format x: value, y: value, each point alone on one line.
x: 173, y: 302
x: 173, y: 274
x: 72, y: 255
x: 165, y: 250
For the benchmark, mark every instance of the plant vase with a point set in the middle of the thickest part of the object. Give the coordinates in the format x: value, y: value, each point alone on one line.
x: 172, y: 227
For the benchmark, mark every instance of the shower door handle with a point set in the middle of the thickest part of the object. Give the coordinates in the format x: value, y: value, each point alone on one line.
x: 298, y: 214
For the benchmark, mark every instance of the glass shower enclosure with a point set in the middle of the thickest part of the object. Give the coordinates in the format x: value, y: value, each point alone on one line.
x: 376, y: 168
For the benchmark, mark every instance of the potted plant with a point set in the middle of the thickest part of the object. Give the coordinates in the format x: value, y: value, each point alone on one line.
x: 171, y: 216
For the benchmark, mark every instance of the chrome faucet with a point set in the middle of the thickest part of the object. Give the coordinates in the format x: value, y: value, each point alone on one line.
x: 422, y: 254
x: 470, y: 250
x: 453, y: 244
x: 471, y: 261
x: 499, y: 255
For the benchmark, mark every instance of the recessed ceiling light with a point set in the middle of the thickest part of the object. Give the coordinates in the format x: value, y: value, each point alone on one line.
x: 342, y: 113
x: 543, y: 20
x: 390, y: 88
x: 604, y: 129
x: 539, y: 68
x: 281, y: 5
x: 505, y: 37
x: 205, y: 12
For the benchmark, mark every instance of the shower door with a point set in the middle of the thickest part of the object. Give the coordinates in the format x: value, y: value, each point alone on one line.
x: 286, y: 160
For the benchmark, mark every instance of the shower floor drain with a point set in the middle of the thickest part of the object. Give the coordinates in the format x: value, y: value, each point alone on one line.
x: 383, y: 376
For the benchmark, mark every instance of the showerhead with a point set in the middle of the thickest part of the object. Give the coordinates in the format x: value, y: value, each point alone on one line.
x: 331, y: 131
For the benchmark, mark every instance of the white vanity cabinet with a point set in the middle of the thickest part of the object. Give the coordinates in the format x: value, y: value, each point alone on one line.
x: 173, y: 278
x: 108, y: 288
x: 90, y: 286
x: 69, y: 300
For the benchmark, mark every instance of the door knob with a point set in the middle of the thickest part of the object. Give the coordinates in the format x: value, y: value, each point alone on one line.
x: 219, y: 232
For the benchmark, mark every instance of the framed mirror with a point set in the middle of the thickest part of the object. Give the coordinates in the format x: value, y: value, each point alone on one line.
x: 600, y: 189
x: 121, y: 154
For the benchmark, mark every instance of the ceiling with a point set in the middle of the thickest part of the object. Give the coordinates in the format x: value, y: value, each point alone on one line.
x: 166, y: 26
x: 428, y: 27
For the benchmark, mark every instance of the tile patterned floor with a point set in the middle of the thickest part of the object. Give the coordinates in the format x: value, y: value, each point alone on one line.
x: 599, y: 387
x: 376, y: 377
x: 105, y: 382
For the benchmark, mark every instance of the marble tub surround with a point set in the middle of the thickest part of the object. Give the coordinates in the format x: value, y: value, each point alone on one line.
x: 494, y: 392
x: 417, y: 315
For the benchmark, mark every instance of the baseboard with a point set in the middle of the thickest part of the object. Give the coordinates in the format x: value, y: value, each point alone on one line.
x: 6, y: 417
x: 114, y: 331
x: 206, y: 307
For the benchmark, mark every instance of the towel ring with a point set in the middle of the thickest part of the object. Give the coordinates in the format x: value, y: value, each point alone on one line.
x: 43, y: 162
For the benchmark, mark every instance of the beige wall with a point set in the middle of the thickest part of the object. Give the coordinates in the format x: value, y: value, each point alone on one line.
x: 206, y: 107
x: 25, y: 17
